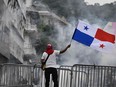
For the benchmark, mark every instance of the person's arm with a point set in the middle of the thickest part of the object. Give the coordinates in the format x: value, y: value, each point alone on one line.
x: 44, y: 55
x: 64, y: 50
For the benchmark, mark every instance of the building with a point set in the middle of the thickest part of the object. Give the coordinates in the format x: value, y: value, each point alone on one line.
x: 4, y: 35
x: 51, y: 18
x: 16, y: 24
x: 14, y: 32
x: 19, y: 30
x: 31, y: 35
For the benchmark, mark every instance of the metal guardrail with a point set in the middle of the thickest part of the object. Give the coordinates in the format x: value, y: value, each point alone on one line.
x: 64, y: 73
x: 93, y: 76
x: 15, y: 75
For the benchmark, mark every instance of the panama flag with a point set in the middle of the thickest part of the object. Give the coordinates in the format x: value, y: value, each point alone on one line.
x: 93, y: 37
x: 110, y: 27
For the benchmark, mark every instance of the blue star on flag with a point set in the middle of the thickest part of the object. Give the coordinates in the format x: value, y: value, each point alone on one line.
x: 86, y: 28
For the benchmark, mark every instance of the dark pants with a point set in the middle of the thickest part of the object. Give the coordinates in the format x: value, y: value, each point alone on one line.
x: 52, y: 71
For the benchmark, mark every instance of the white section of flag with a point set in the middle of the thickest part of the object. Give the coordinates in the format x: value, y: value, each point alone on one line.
x: 91, y: 31
x: 107, y: 46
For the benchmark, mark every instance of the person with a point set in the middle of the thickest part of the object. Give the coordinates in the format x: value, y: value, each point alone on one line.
x: 51, y: 65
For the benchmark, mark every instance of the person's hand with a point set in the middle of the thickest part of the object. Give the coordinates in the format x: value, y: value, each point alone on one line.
x: 62, y: 51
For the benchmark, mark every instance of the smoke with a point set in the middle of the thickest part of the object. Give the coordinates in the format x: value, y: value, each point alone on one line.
x: 79, y: 53
x: 109, y: 59
x: 28, y: 3
x: 99, y: 1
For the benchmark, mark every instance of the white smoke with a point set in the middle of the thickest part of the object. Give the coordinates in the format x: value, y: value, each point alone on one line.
x: 101, y: 2
x: 79, y: 53
x: 28, y: 3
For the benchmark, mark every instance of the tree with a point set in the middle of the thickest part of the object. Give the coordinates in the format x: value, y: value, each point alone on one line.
x: 46, y: 33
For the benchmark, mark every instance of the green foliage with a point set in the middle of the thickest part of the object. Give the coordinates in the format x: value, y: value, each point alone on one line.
x: 42, y: 42
x: 79, y: 9
x: 46, y: 32
x: 58, y: 6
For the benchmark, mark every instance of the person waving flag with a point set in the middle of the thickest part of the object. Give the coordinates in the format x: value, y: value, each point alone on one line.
x: 93, y: 37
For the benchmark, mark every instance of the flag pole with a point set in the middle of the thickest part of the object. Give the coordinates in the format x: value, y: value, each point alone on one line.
x: 72, y: 37
x: 70, y: 40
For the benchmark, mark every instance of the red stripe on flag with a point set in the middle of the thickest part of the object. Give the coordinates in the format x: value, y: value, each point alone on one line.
x: 104, y: 36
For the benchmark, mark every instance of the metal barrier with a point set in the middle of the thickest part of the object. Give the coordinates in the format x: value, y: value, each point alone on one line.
x: 64, y: 73
x: 15, y: 75
x: 93, y: 76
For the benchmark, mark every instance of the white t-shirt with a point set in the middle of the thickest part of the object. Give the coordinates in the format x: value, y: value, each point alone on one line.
x: 51, y: 62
